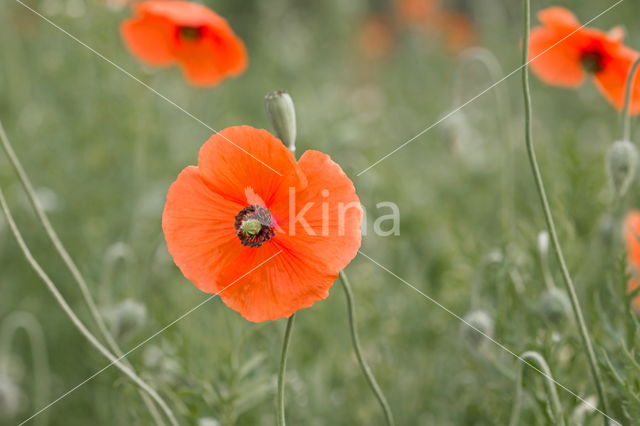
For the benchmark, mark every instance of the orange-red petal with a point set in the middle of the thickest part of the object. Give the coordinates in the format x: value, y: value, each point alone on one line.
x: 149, y: 38
x: 301, y: 263
x: 217, y: 55
x: 554, y: 60
x: 155, y: 37
x: 612, y: 81
x: 242, y: 162
x: 559, y: 19
x: 330, y: 232
x: 293, y: 269
x: 198, y: 227
x: 632, y: 238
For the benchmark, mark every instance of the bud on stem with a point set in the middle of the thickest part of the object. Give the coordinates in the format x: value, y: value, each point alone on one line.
x: 621, y: 165
x: 282, y: 114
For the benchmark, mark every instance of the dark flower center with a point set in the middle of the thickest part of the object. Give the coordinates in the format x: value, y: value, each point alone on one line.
x: 592, y: 61
x: 190, y: 33
x: 254, y: 226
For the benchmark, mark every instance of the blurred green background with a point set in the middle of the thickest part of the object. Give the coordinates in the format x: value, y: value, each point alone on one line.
x: 102, y: 150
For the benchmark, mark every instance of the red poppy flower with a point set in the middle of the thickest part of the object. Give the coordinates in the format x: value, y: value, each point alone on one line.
x: 268, y: 234
x: 632, y: 239
x: 201, y: 42
x: 563, y: 53
x: 376, y: 37
x: 459, y: 31
x: 416, y: 12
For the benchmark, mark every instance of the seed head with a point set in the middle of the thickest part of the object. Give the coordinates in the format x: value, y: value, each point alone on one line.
x: 477, y: 329
x: 621, y: 166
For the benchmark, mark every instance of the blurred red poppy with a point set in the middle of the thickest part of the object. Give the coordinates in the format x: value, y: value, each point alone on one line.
x: 376, y: 37
x: 200, y: 41
x: 269, y: 241
x: 632, y: 240
x: 563, y: 54
x: 416, y: 12
x: 455, y: 29
x: 458, y: 30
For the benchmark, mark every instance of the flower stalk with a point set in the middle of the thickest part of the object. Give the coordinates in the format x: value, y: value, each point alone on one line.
x: 575, y: 303
x: 552, y: 393
x: 41, y: 371
x: 282, y: 371
x: 51, y: 286
x: 626, y: 117
x: 356, y: 346
x: 73, y: 268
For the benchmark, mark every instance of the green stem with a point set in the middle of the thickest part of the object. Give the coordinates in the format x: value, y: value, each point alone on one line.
x: 71, y: 314
x: 626, y: 117
x: 575, y: 303
x: 485, y: 57
x: 282, y: 371
x: 41, y: 372
x: 71, y: 266
x: 552, y: 393
x: 356, y: 346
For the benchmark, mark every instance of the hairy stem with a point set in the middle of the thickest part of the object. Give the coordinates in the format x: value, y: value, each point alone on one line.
x: 282, y: 371
x: 356, y: 346
x: 68, y: 261
x: 41, y: 372
x: 626, y: 117
x: 74, y: 319
x: 552, y: 393
x: 575, y: 303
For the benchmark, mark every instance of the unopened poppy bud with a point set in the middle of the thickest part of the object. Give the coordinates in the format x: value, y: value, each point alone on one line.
x: 282, y: 114
x: 621, y: 165
x: 164, y: 364
x: 554, y: 306
x: 478, y: 328
x: 543, y: 243
x: 10, y: 397
x: 126, y: 317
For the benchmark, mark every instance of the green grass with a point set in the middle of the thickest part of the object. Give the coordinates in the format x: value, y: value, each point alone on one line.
x: 108, y: 148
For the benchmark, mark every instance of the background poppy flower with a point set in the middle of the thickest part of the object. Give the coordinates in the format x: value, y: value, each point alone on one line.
x: 377, y: 37
x: 632, y: 240
x: 416, y: 12
x: 632, y: 237
x: 229, y: 221
x: 200, y: 41
x: 562, y: 54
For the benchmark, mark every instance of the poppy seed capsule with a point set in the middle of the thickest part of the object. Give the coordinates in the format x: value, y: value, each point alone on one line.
x: 126, y: 317
x: 621, y: 165
x: 282, y: 114
x: 554, y: 306
x: 478, y: 328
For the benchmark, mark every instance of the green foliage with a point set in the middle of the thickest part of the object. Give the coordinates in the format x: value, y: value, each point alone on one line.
x: 103, y: 150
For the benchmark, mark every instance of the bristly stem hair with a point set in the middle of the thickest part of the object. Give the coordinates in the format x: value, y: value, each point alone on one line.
x: 377, y: 391
x: 282, y: 371
x: 626, y: 116
x: 575, y: 303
